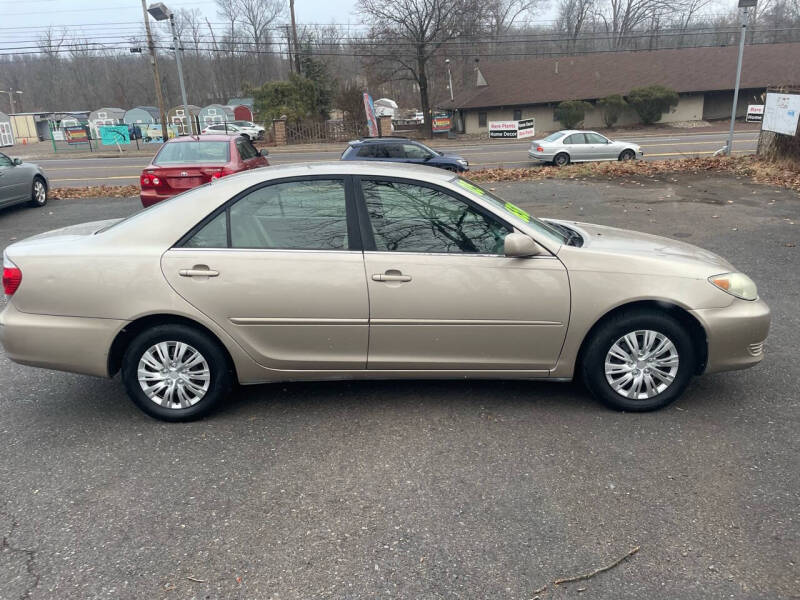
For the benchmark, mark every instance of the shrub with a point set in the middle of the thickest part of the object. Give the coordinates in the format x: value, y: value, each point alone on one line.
x: 612, y: 107
x: 652, y: 101
x: 571, y: 112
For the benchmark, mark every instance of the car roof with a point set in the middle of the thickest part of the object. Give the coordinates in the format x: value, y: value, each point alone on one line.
x: 387, y: 138
x: 204, y: 137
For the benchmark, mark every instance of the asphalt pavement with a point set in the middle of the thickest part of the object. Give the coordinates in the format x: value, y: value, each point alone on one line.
x: 71, y: 172
x: 425, y: 490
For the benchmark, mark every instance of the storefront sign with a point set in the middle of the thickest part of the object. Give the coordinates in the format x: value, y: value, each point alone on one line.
x: 113, y: 135
x: 76, y: 135
x: 512, y: 129
x: 755, y: 113
x: 441, y: 124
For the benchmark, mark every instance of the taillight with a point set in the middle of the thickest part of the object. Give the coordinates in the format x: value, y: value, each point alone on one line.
x: 215, y: 173
x: 12, y: 276
x: 149, y: 180
x: 539, y: 149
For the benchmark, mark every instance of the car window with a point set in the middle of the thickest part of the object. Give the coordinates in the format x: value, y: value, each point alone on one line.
x: 367, y: 151
x: 412, y: 218
x: 575, y: 138
x: 294, y: 215
x: 194, y: 152
x: 5, y: 161
x: 415, y: 152
x: 594, y: 138
x: 246, y: 149
x: 213, y: 235
x: 554, y: 136
x: 393, y: 151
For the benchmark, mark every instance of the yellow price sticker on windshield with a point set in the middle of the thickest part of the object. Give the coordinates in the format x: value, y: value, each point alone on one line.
x: 472, y: 188
x: 517, y: 211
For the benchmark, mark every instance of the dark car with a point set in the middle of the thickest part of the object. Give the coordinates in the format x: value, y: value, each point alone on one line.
x: 189, y: 161
x: 398, y: 149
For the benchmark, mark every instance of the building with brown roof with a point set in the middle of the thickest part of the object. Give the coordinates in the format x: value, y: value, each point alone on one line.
x: 703, y: 77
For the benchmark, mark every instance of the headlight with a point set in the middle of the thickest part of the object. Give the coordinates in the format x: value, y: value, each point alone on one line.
x: 461, y: 161
x: 736, y: 284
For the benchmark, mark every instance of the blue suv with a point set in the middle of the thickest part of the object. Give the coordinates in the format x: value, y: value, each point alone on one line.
x: 400, y: 149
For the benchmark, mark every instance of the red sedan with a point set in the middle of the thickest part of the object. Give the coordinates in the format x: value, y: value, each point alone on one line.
x: 189, y: 161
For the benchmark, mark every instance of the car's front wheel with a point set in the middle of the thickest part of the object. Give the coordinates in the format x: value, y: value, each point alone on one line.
x: 176, y: 373
x: 639, y: 360
x: 627, y: 155
x: 38, y: 192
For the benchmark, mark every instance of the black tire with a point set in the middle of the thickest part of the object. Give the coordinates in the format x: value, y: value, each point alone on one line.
x: 246, y: 136
x: 36, y: 198
x: 608, y: 333
x: 627, y: 155
x: 221, y: 375
x: 561, y: 159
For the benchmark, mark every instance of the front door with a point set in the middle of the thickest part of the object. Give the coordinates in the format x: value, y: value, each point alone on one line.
x: 598, y: 146
x: 280, y: 270
x: 443, y: 296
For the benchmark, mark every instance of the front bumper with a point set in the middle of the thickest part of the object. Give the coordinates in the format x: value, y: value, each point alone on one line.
x: 75, y: 344
x: 735, y: 334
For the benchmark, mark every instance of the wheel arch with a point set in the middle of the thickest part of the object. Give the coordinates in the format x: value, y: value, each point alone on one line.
x: 135, y: 327
x: 695, y: 328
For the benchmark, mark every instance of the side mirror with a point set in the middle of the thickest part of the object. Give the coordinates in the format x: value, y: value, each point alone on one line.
x: 17, y: 161
x: 264, y: 152
x: 519, y: 245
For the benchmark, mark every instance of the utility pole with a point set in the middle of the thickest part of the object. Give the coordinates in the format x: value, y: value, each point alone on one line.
x: 156, y: 78
x: 294, y: 38
x: 289, y: 49
x: 744, y: 5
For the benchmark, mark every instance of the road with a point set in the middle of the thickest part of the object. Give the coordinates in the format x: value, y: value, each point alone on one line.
x: 424, y: 489
x: 71, y: 172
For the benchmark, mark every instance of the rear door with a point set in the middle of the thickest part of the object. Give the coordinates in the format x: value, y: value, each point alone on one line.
x: 441, y: 293
x: 575, y: 144
x: 280, y: 268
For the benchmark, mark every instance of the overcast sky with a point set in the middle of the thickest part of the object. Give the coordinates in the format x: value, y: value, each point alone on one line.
x: 18, y: 18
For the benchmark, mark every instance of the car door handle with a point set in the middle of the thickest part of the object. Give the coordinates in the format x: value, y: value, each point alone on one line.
x: 198, y: 273
x: 391, y: 276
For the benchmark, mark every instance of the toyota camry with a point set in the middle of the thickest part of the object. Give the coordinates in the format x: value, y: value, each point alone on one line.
x: 370, y: 270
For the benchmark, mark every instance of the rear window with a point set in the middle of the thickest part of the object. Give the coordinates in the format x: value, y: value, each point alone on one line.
x: 182, y: 153
x: 554, y: 136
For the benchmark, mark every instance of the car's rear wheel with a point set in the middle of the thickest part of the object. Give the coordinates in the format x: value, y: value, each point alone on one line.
x: 638, y: 361
x: 561, y: 159
x: 627, y: 155
x: 176, y: 373
x: 38, y: 192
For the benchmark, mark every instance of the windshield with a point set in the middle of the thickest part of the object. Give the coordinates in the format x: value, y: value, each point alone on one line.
x: 554, y: 136
x: 431, y: 150
x: 194, y: 152
x: 513, y: 212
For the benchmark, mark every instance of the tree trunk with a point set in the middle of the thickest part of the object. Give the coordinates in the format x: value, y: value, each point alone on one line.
x: 422, y: 80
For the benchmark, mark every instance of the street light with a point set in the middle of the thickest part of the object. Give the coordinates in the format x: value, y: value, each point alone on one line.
x: 743, y: 5
x: 161, y: 13
x: 11, y: 98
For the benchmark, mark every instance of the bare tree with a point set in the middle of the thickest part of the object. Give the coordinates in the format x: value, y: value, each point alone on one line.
x: 572, y: 17
x: 407, y: 34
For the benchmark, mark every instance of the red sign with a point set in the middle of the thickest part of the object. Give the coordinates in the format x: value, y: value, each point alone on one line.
x: 76, y: 135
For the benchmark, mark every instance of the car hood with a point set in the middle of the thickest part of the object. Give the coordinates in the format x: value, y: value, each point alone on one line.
x: 623, y: 243
x: 449, y: 156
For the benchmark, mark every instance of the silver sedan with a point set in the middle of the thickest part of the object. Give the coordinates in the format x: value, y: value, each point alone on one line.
x: 21, y: 182
x: 572, y: 145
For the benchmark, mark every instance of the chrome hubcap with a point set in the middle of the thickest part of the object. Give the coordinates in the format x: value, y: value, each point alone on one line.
x: 174, y: 375
x: 39, y: 191
x: 641, y: 364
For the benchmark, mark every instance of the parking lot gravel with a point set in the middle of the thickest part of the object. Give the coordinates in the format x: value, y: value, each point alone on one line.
x: 425, y: 489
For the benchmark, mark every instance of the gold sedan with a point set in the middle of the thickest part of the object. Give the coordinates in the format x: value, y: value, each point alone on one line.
x: 368, y: 271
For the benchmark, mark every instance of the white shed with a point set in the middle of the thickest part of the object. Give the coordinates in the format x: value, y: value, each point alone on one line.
x: 6, y: 133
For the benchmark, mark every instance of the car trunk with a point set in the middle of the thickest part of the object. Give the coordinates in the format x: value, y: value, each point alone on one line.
x: 178, y: 179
